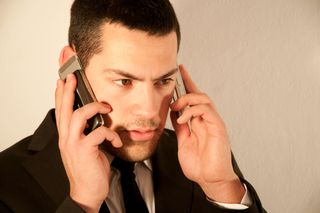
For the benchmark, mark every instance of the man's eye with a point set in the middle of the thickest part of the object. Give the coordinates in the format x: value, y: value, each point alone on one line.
x: 123, y: 82
x: 164, y: 81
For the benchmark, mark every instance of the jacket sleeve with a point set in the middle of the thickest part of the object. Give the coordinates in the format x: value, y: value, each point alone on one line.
x: 68, y: 205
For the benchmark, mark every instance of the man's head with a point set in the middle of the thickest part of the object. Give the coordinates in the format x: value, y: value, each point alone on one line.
x: 129, y: 51
x: 156, y: 17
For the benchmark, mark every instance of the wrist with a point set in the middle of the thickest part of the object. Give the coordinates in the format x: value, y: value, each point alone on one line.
x: 225, y: 191
x: 87, y: 204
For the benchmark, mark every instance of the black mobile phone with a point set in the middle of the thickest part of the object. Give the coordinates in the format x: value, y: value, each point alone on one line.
x: 83, y: 94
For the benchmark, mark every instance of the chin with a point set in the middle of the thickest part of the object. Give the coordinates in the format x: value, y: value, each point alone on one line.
x: 134, y: 151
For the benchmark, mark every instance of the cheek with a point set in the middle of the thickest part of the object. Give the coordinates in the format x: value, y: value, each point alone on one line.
x: 119, y: 114
x: 119, y: 105
x: 107, y: 94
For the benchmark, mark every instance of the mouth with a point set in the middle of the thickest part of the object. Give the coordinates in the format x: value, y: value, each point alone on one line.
x: 141, y: 134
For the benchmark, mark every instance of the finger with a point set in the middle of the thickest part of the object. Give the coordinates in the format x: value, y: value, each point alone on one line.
x: 189, y: 84
x: 182, y: 130
x: 67, y: 105
x: 99, y: 135
x: 203, y: 111
x: 198, y: 128
x: 82, y: 115
x: 190, y: 99
x: 58, y: 100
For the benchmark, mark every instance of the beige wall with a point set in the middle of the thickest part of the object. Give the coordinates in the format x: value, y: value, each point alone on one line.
x: 259, y: 61
x: 31, y: 36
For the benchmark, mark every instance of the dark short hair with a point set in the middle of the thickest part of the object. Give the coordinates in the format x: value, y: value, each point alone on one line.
x: 156, y: 17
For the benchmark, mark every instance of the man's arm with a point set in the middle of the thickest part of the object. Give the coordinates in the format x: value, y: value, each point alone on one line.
x: 203, y: 148
x: 80, y: 152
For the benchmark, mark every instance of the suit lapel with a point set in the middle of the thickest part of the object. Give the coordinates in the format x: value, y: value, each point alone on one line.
x: 172, y: 190
x: 46, y: 165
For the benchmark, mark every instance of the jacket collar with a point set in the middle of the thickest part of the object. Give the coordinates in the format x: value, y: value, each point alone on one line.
x: 46, y: 165
x: 172, y: 190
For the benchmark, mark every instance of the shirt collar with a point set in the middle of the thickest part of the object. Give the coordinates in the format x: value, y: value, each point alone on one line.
x: 147, y: 163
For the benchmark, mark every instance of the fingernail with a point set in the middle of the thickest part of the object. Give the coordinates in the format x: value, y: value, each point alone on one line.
x: 105, y: 105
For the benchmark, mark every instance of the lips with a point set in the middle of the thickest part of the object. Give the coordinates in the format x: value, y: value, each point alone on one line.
x: 141, y: 134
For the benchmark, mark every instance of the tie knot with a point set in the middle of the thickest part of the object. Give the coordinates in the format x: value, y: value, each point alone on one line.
x: 122, y: 165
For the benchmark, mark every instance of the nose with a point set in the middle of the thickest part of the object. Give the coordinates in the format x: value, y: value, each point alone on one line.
x: 147, y: 103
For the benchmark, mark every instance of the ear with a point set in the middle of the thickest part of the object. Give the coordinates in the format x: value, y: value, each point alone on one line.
x: 65, y: 54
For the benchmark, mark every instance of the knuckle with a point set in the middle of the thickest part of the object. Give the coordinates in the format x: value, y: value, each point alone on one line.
x: 78, y: 115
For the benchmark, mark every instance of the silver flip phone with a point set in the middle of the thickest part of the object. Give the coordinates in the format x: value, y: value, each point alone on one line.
x: 179, y: 89
x: 84, y: 94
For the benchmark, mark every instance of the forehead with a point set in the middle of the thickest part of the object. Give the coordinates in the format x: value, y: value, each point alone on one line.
x: 120, y: 45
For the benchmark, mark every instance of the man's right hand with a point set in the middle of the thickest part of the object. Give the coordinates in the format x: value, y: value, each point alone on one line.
x: 86, y: 166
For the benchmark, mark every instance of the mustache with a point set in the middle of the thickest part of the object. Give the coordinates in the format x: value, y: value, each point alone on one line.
x: 143, y: 123
x: 139, y: 123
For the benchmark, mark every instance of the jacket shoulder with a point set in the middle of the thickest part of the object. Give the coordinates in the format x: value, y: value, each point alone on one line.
x: 21, y: 190
x: 15, y: 154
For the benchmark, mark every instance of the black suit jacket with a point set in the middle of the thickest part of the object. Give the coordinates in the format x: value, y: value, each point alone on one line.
x: 33, y: 178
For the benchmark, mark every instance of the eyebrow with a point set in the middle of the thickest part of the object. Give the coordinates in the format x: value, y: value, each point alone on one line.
x: 131, y: 76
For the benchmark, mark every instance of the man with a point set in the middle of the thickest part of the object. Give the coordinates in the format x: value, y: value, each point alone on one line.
x: 129, y: 52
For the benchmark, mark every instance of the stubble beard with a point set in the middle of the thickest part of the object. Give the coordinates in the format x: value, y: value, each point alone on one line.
x: 133, y: 150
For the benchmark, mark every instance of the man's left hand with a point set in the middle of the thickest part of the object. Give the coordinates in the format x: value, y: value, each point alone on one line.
x: 203, y: 148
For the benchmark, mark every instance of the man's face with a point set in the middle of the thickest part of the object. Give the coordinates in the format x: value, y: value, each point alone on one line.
x: 135, y: 74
